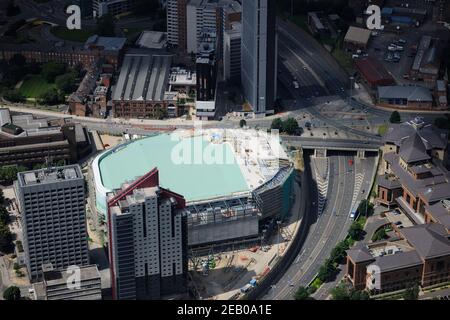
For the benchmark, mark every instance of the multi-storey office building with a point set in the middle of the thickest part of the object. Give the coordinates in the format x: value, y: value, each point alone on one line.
x: 147, y: 240
x: 26, y: 140
x: 232, y: 52
x: 206, y: 69
x: 414, y: 177
x: 416, y: 255
x: 216, y: 15
x: 108, y: 48
x: 54, y: 285
x: 52, y: 205
x: 259, y: 47
x: 113, y: 7
x: 176, y: 23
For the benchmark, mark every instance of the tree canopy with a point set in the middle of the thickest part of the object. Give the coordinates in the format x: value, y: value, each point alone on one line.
x: 52, y: 97
x: 356, y: 231
x: 12, y: 293
x: 411, y: 293
x: 302, y: 294
x: 66, y: 82
x: 51, y: 70
x: 395, y: 117
x: 106, y: 26
x: 343, y: 292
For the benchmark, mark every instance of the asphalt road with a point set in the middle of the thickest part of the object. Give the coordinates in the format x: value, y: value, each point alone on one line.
x: 317, y: 73
x: 330, y: 143
x: 325, y: 232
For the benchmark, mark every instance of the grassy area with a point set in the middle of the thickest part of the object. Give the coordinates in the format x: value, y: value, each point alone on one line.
x: 344, y: 59
x: 300, y: 20
x: 34, y: 86
x: 71, y: 35
x: 382, y: 129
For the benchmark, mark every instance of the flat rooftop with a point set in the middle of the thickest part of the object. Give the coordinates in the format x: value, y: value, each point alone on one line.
x: 200, y: 165
x: 152, y: 40
x: 50, y: 175
x: 106, y: 43
x: 193, y: 181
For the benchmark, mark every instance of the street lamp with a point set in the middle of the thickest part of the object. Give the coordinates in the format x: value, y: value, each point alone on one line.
x: 351, y: 88
x: 279, y: 240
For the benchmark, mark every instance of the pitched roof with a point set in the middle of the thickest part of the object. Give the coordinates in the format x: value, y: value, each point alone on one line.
x: 374, y: 71
x: 411, y: 93
x: 398, y: 260
x: 413, y: 149
x: 430, y: 240
x: 440, y: 211
x: 358, y: 35
x: 360, y: 254
x: 431, y: 136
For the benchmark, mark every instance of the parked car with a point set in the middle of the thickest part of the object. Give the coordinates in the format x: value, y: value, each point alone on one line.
x: 392, y: 48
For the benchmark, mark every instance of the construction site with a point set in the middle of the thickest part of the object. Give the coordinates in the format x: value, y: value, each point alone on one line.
x: 228, y: 274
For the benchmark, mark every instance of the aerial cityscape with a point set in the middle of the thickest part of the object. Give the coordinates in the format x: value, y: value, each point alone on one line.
x: 232, y: 150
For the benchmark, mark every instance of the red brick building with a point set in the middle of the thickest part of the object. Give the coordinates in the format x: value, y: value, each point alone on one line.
x: 373, y: 73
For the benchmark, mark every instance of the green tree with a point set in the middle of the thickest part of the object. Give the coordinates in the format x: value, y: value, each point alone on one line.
x: 277, y: 124
x: 4, y: 216
x: 242, y: 123
x: 365, y: 208
x: 5, y: 238
x: 66, y: 82
x: 12, y: 293
x: 411, y: 293
x: 339, y: 252
x: 340, y: 292
x: 51, y: 70
x: 51, y: 97
x: 359, y: 295
x: 356, y: 231
x: 14, y: 96
x: 160, y: 113
x: 9, y: 173
x: 106, y: 26
x: 302, y: 294
x: 290, y: 126
x: 380, y: 235
x: 395, y: 117
x: 442, y: 123
x: 327, y: 271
